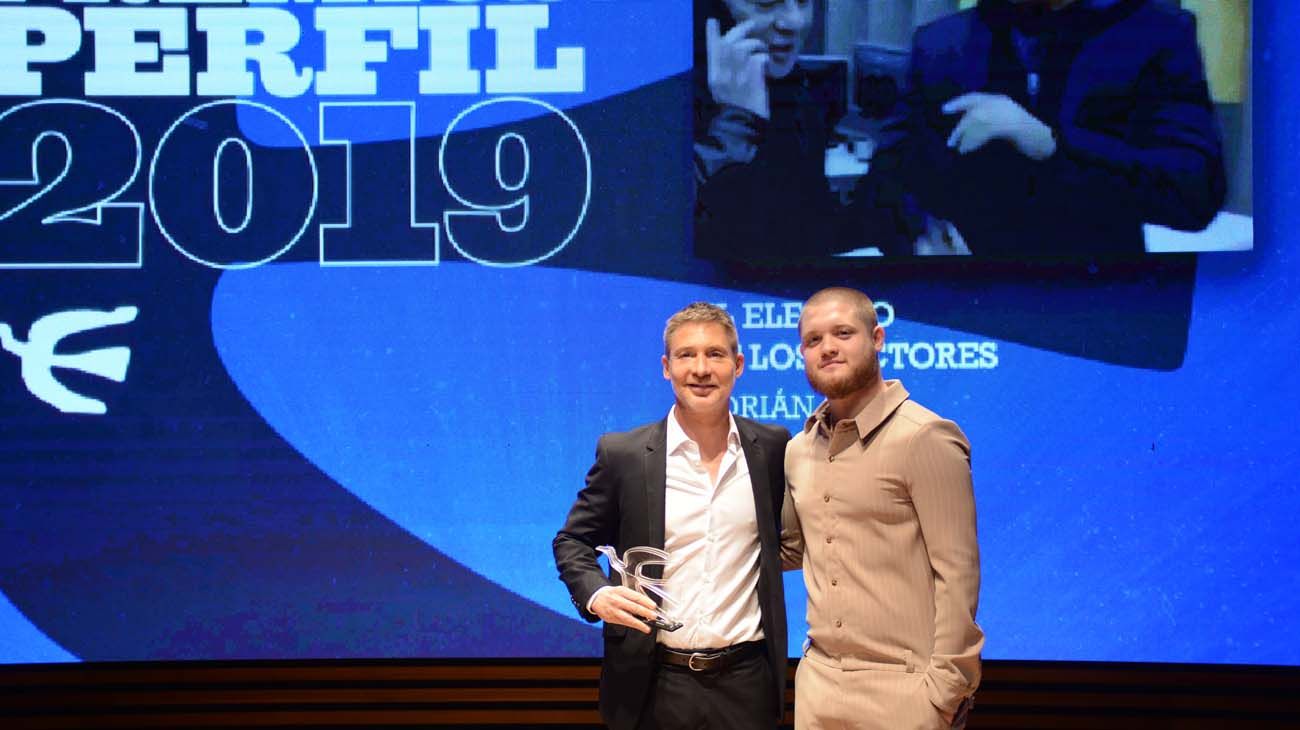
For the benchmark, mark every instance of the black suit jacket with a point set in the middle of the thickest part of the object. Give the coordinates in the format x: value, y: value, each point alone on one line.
x: 623, y: 505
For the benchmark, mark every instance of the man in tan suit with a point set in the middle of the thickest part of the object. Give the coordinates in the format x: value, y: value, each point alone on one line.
x: 880, y: 515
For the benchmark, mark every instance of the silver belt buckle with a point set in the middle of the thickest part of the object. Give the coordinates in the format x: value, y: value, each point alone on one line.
x: 690, y: 663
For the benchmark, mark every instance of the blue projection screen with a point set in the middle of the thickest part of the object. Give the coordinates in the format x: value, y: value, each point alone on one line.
x: 312, y: 314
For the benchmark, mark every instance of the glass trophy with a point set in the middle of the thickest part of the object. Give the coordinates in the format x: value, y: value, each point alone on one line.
x: 633, y: 567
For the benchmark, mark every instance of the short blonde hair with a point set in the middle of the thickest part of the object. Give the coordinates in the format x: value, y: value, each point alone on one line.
x: 702, y: 313
x: 861, y: 304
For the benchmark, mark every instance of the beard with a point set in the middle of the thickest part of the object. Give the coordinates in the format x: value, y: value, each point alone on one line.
x: 834, y: 387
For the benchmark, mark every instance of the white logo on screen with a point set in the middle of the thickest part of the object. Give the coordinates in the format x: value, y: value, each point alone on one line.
x: 39, y: 358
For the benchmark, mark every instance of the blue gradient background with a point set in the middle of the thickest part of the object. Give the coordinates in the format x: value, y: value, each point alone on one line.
x: 312, y: 462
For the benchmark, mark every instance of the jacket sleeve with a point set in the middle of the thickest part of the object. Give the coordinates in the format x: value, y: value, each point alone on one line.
x: 762, y: 196
x: 938, y: 458
x: 737, y: 189
x: 592, y: 521
x: 792, y: 545
x: 791, y: 536
x: 1167, y: 165
x: 732, y: 138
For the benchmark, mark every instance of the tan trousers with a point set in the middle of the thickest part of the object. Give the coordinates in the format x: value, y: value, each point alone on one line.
x: 829, y: 698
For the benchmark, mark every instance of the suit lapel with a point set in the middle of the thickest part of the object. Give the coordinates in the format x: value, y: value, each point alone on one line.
x: 974, y: 67
x: 656, y: 476
x: 768, y: 536
x: 756, y: 460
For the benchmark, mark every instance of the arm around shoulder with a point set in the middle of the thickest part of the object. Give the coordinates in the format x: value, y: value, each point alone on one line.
x: 792, y: 545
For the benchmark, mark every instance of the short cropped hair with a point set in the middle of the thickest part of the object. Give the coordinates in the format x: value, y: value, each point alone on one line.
x: 861, y: 304
x: 702, y: 313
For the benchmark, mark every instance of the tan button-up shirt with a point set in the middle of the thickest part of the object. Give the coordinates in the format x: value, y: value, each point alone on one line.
x: 880, y: 514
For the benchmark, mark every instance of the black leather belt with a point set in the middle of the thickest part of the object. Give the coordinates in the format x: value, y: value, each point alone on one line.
x: 709, y: 660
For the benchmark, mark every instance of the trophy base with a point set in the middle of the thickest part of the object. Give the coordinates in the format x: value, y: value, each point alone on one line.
x: 664, y: 624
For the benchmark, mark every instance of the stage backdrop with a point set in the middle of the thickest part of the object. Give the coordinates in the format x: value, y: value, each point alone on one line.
x: 313, y: 312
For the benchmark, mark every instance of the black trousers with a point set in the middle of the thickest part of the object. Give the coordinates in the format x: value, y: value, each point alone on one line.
x: 736, y: 698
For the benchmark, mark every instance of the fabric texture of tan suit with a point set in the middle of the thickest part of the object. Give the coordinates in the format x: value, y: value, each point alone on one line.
x: 880, y: 514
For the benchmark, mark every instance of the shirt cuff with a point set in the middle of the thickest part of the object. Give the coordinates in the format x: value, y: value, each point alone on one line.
x: 592, y: 600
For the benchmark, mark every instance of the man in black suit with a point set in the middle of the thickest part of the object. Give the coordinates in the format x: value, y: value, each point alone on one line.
x: 706, y: 486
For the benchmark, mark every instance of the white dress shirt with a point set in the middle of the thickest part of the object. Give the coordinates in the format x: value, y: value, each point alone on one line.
x: 711, y: 530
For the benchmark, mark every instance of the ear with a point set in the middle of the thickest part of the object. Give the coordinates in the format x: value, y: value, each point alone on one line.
x: 667, y: 375
x: 878, y: 338
x: 740, y: 363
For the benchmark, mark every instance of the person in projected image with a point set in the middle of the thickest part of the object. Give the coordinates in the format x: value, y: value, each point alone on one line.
x: 1048, y: 127
x: 706, y: 486
x: 880, y: 515
x: 760, y: 147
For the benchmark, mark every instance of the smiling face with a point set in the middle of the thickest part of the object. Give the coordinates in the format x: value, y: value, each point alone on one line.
x: 840, y: 350
x: 781, y: 24
x: 702, y: 368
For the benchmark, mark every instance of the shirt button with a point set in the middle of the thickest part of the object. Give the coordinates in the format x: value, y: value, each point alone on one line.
x: 828, y: 539
x: 838, y: 623
x: 834, y: 582
x: 827, y: 498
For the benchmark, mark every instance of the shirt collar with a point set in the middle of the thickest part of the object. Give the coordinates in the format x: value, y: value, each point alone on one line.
x: 677, y: 436
x: 870, y: 417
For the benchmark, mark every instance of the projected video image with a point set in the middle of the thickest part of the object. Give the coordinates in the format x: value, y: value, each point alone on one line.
x: 1000, y: 129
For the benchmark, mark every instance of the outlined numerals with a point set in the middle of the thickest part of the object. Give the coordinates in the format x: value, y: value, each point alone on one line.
x: 204, y: 174
x: 63, y: 165
x: 515, y: 179
x: 525, y: 201
x: 383, y: 229
x: 243, y: 156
